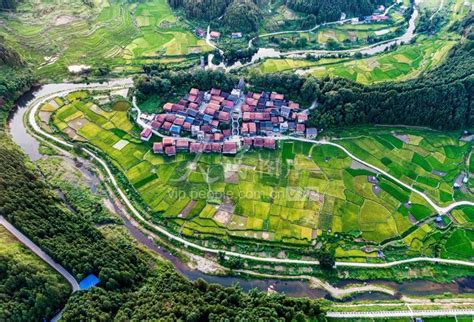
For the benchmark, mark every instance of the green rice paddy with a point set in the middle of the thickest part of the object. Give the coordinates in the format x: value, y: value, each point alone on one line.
x: 291, y: 196
x: 403, y: 63
x: 429, y: 161
x: 117, y: 34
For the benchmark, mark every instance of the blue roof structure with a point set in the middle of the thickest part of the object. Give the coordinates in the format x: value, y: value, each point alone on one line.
x: 207, y: 118
x: 89, y: 282
x: 175, y: 129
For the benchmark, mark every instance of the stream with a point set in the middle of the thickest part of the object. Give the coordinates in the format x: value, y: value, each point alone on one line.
x: 377, y: 48
x: 294, y: 288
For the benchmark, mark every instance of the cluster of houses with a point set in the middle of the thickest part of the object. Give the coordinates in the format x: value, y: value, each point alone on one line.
x: 270, y: 114
x: 221, y: 122
x: 204, y: 115
x: 215, y: 35
x: 170, y: 146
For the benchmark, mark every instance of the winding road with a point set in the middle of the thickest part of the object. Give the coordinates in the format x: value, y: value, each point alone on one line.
x: 40, y: 253
x: 40, y: 134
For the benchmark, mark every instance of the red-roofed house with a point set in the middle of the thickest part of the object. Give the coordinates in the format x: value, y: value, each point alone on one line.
x: 179, y: 121
x: 146, y: 134
x: 182, y: 145
x: 224, y: 117
x: 229, y: 148
x: 215, y: 92
x: 156, y: 125
x: 300, y: 129
x: 216, y: 147
x: 218, y: 137
x: 227, y: 133
x: 194, y: 91
x: 258, y: 142
x: 170, y: 151
x: 196, y: 147
x: 252, y: 128
x: 168, y: 107
x: 187, y: 126
x: 294, y: 106
x: 276, y: 96
x: 302, y: 117
x: 166, y: 126
x: 215, y: 35
x: 248, y: 142
x: 158, y: 147
x: 269, y: 143
x: 245, y: 128
x: 168, y: 141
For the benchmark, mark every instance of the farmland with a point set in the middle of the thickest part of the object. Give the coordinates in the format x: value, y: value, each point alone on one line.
x: 292, y: 196
x: 402, y: 63
x: 115, y: 35
x: 429, y: 161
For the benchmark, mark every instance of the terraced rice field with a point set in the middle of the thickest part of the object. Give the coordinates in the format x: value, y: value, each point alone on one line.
x: 429, y: 161
x: 113, y: 33
x: 292, y: 195
x: 404, y: 63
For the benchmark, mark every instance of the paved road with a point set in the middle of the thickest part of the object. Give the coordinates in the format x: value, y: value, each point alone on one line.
x: 440, y: 210
x: 42, y: 134
x: 410, y: 314
x: 35, y: 249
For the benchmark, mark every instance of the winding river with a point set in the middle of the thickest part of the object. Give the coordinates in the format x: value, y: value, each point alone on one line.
x: 373, y: 49
x: 295, y: 288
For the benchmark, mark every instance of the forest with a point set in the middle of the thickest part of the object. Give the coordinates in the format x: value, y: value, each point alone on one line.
x: 8, y: 4
x: 246, y: 15
x: 191, y: 301
x: 330, y: 10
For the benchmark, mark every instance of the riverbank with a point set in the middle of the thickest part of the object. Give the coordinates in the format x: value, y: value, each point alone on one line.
x: 283, y: 286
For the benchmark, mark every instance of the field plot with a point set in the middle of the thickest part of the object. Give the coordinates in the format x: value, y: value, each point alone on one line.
x: 430, y: 161
x: 404, y: 63
x: 111, y: 33
x: 293, y: 195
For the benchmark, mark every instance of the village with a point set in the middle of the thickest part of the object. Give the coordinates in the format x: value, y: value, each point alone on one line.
x: 380, y: 14
x: 216, y: 121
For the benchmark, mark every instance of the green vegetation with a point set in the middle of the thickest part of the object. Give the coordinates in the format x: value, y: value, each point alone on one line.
x: 405, y: 62
x: 289, y: 196
x: 429, y: 161
x: 111, y: 36
x: 31, y: 290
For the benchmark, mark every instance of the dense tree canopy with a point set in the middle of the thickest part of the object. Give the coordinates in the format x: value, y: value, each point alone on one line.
x: 330, y: 10
x: 28, y: 291
x: 243, y: 15
x: 170, y: 297
x: 8, y: 4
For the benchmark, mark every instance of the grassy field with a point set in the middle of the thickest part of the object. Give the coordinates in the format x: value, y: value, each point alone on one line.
x: 112, y: 33
x: 291, y: 196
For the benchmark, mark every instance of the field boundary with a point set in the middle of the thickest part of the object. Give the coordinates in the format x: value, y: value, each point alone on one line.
x: 31, y: 122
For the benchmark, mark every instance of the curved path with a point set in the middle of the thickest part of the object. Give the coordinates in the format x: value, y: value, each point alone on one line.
x: 440, y: 210
x: 409, y: 314
x: 38, y: 132
x: 40, y: 253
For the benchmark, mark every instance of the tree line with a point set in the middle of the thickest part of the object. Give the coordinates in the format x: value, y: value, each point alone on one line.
x: 167, y: 296
x: 330, y: 10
